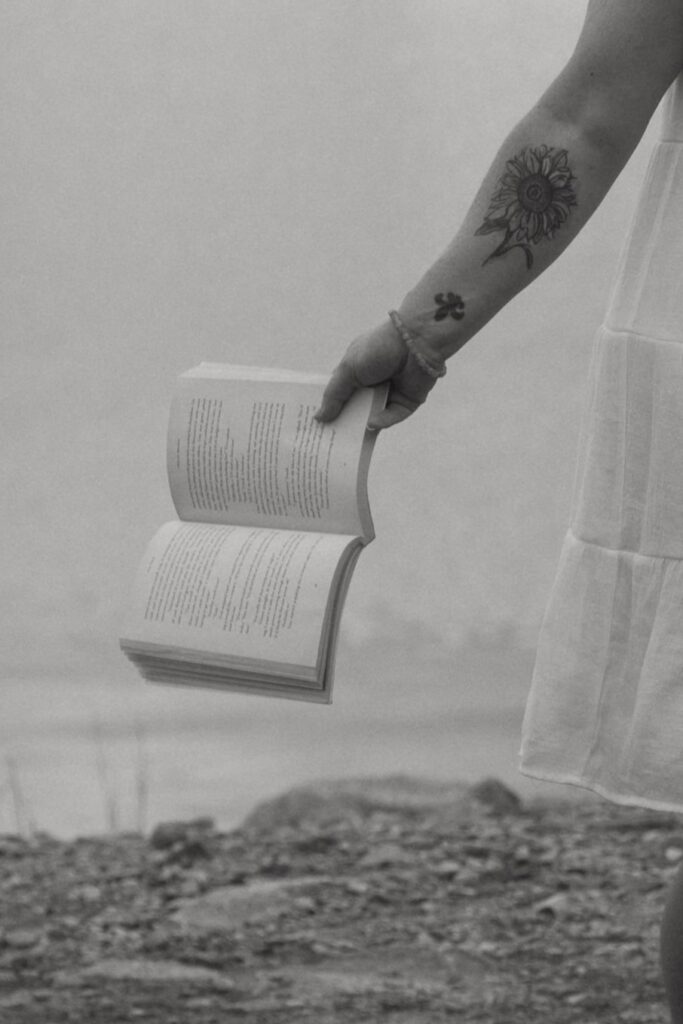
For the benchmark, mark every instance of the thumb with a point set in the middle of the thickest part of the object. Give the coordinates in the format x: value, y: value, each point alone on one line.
x: 394, y: 413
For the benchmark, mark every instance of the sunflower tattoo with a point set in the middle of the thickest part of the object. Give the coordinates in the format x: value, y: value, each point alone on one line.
x: 533, y: 199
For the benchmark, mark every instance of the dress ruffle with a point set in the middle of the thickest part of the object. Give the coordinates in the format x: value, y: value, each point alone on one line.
x: 605, y: 710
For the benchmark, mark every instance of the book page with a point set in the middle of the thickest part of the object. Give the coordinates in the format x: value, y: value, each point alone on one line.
x: 240, y: 592
x: 243, y: 448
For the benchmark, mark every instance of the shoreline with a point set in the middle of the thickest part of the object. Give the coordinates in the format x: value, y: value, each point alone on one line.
x: 86, y: 768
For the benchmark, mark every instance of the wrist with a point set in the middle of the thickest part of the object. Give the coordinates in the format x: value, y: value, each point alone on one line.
x: 428, y: 363
x: 437, y: 340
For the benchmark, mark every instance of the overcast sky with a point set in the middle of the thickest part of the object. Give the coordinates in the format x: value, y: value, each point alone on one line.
x: 256, y: 182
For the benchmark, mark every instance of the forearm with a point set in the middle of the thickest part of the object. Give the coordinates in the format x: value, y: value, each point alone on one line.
x: 547, y: 179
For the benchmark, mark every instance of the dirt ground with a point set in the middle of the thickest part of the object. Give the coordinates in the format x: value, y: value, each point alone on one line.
x: 378, y: 900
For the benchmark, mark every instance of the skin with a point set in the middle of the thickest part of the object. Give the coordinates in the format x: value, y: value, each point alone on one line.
x: 596, y: 110
x: 567, y: 151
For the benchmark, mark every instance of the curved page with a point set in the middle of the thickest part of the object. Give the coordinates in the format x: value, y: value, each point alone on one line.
x: 243, y: 448
x: 240, y: 593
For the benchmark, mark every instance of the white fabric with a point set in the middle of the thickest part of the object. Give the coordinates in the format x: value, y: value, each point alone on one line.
x: 605, y: 708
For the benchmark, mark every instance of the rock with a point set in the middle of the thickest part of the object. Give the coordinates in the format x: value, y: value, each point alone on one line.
x: 231, y: 906
x: 184, y: 841
x: 318, y: 842
x: 13, y: 881
x: 300, y: 807
x: 383, y: 855
x: 15, y: 1000
x: 170, y: 832
x: 12, y: 846
x: 446, y: 868
x: 393, y: 972
x: 469, y: 874
x: 305, y: 904
x: 354, y: 800
x: 554, y: 896
x: 88, y: 893
x: 151, y: 972
x: 23, y: 938
x: 557, y: 905
x: 497, y: 797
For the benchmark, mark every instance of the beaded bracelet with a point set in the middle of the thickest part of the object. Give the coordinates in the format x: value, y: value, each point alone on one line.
x: 410, y: 340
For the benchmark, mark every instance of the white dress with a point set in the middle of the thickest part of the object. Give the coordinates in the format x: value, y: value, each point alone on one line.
x: 605, y: 708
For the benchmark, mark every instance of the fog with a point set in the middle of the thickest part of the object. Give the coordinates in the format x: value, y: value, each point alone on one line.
x: 257, y: 182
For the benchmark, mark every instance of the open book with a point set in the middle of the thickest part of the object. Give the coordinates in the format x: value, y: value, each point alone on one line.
x: 245, y: 592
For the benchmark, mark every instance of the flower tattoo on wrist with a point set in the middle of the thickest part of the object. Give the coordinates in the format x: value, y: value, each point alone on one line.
x: 533, y: 199
x: 449, y: 304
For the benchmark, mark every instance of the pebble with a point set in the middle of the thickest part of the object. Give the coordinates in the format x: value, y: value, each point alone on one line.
x: 554, y: 906
x: 23, y: 938
x: 169, y: 833
x: 304, y: 903
x: 15, y: 1000
x: 383, y: 854
x: 447, y: 868
x: 199, y: 1003
x: 14, y: 881
x: 467, y: 874
x: 487, y: 947
x: 89, y: 893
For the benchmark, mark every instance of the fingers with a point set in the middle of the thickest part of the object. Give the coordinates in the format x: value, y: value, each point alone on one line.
x: 410, y: 385
x: 340, y: 387
x: 397, y: 409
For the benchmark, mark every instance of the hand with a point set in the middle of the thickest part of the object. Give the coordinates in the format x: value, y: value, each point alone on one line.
x: 377, y: 356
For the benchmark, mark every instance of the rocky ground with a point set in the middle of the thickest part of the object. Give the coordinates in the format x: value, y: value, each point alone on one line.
x: 387, y: 900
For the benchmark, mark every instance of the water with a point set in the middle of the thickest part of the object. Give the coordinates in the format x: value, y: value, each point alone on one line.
x: 87, y: 756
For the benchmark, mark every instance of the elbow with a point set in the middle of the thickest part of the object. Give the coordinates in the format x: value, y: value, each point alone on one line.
x: 606, y: 126
x: 613, y: 128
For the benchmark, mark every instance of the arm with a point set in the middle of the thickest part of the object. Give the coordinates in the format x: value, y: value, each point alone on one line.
x: 550, y: 174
